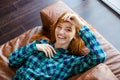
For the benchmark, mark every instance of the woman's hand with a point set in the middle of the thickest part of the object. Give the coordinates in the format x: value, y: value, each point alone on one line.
x: 73, y: 19
x: 47, y: 49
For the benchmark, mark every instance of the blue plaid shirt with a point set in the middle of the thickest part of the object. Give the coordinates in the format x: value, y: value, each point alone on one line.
x: 34, y: 65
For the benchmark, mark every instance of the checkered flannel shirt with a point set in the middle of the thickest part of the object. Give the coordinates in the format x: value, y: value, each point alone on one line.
x: 34, y: 65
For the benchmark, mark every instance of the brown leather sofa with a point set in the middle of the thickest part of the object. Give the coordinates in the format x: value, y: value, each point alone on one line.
x: 109, y: 70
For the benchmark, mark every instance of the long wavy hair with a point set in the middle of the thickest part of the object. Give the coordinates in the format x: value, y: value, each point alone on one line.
x: 76, y: 46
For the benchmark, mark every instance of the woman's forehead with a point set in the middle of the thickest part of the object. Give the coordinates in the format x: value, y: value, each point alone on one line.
x: 66, y: 23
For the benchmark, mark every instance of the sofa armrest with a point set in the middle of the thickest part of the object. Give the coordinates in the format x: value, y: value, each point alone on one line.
x: 7, y: 72
x: 99, y: 72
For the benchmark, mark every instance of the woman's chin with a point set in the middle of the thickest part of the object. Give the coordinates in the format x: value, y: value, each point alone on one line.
x: 61, y: 43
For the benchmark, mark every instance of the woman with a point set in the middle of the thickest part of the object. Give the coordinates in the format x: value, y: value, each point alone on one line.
x: 60, y: 57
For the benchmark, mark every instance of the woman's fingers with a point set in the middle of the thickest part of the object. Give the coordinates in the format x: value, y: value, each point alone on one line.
x: 50, y: 50
x: 46, y: 54
x: 73, y: 19
x: 53, y: 50
x: 67, y: 17
x: 47, y: 49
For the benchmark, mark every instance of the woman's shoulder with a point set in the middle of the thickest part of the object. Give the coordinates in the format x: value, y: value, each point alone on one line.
x: 42, y: 41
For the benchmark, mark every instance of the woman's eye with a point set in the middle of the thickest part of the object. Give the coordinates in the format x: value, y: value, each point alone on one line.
x: 69, y: 30
x: 59, y: 27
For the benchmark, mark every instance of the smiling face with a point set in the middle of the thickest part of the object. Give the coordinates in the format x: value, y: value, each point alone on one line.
x: 64, y: 33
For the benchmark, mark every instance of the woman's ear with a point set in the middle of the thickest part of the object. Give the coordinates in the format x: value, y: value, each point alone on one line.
x: 74, y: 37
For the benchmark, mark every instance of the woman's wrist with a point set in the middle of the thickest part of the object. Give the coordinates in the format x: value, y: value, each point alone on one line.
x: 79, y: 22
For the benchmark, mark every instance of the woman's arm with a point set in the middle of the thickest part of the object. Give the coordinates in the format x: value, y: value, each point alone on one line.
x: 96, y: 54
x: 92, y: 43
x: 20, y: 55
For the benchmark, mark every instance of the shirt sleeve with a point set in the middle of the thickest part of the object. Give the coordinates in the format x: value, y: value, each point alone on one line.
x: 19, y: 56
x: 96, y: 54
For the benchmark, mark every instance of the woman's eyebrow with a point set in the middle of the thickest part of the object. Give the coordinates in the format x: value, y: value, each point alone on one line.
x: 59, y: 24
x: 69, y: 27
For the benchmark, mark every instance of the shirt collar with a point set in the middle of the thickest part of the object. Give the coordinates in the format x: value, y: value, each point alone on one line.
x: 61, y: 50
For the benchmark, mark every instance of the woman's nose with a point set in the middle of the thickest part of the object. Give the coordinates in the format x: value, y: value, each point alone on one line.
x: 61, y: 31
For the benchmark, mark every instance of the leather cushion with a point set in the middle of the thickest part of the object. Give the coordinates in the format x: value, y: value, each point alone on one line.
x: 113, y: 55
x: 5, y: 71
x: 100, y: 72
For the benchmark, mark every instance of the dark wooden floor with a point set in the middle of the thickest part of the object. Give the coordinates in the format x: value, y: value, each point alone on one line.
x: 17, y: 16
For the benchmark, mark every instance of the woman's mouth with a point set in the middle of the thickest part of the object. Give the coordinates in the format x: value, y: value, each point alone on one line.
x: 61, y: 37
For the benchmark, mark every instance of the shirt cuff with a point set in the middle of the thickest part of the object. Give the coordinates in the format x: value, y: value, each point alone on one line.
x: 83, y: 29
x: 33, y: 46
x: 42, y: 41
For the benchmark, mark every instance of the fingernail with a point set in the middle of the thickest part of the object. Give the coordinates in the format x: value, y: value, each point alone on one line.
x: 52, y: 56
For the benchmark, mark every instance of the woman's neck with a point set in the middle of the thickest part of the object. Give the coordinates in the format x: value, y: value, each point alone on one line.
x: 61, y: 46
